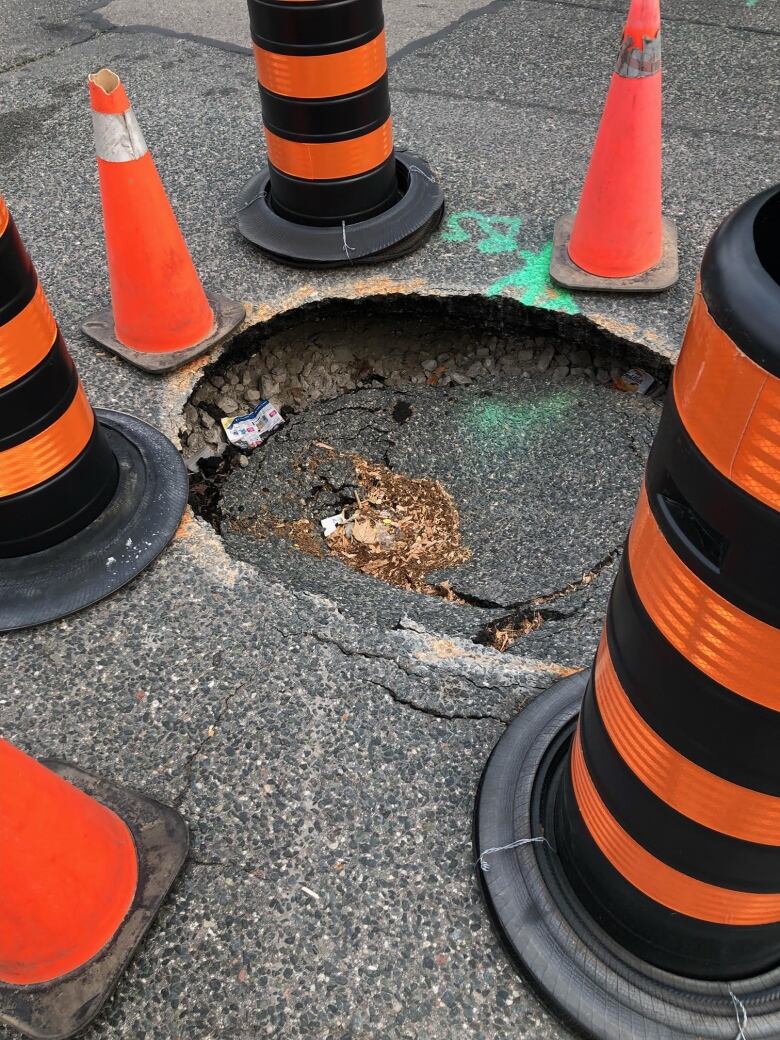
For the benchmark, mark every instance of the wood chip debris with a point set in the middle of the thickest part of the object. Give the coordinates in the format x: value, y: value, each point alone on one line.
x: 399, y: 528
x: 503, y: 636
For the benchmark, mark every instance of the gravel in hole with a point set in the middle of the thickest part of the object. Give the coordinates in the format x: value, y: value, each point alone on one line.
x: 322, y: 356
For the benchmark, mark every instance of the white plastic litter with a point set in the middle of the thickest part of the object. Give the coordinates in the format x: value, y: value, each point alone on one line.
x: 331, y: 524
x: 249, y: 431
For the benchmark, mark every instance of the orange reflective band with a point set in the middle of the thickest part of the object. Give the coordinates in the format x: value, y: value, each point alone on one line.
x: 322, y: 75
x: 696, y: 793
x: 26, y: 339
x: 331, y: 161
x: 657, y: 880
x: 47, y: 453
x: 3, y: 215
x: 736, y: 650
x: 730, y: 406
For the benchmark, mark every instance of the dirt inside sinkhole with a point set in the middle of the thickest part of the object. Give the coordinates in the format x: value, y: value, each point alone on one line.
x: 396, y: 529
x: 483, y: 468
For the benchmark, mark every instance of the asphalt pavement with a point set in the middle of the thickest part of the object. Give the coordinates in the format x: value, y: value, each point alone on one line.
x: 324, y: 739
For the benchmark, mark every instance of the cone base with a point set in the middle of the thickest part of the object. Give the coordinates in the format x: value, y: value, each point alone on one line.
x: 59, y: 1009
x: 228, y: 316
x: 399, y: 230
x: 565, y: 272
x: 131, y: 532
x: 595, y: 986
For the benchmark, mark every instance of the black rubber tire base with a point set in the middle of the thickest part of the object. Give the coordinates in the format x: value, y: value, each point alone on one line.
x: 131, y: 532
x: 595, y: 986
x: 389, y: 235
x: 63, y: 1007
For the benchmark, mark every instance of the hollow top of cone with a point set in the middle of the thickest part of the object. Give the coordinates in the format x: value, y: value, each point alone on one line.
x: 643, y: 21
x: 740, y: 278
x: 107, y: 93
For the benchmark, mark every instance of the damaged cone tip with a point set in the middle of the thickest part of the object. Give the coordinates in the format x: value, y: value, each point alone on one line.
x: 84, y: 869
x: 619, y: 240
x: 653, y: 906
x: 87, y: 500
x: 335, y: 191
x: 160, y: 316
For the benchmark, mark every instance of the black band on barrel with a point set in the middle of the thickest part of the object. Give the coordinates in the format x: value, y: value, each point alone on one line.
x: 49, y: 513
x: 319, y: 120
x: 671, y: 837
x: 682, y: 944
x: 314, y: 28
x: 34, y: 402
x: 740, y: 279
x: 726, y: 734
x: 725, y: 536
x: 18, y: 280
x: 328, y: 203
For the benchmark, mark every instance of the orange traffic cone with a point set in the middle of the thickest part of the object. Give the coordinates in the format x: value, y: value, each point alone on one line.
x: 619, y: 240
x: 83, y: 872
x: 161, y: 316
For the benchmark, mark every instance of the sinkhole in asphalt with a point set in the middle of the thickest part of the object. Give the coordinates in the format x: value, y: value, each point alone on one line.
x: 483, y: 466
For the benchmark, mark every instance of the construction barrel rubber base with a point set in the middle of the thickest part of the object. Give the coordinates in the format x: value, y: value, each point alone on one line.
x: 598, y: 988
x: 60, y: 1008
x: 391, y: 234
x: 139, y: 521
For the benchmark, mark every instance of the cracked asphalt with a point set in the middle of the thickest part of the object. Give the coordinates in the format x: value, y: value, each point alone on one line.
x: 325, y: 743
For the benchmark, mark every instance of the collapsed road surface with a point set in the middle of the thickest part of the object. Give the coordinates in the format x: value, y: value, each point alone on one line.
x: 322, y: 733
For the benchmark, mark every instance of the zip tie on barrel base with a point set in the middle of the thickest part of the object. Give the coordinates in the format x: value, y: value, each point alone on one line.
x: 505, y: 848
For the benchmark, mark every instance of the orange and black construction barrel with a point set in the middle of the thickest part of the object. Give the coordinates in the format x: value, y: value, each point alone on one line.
x: 335, y: 191
x: 627, y: 826
x: 86, y: 500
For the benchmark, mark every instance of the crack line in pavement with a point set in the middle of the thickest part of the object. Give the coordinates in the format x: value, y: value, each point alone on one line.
x: 52, y: 53
x: 432, y: 712
x: 519, y: 615
x: 434, y: 37
x: 189, y: 763
x: 321, y: 637
x: 550, y: 597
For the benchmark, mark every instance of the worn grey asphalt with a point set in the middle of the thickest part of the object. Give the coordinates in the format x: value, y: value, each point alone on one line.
x: 326, y: 757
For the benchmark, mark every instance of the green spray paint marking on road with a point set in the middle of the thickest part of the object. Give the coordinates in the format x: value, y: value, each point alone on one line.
x: 496, y: 234
x: 505, y: 423
x: 751, y: 3
x: 496, y: 240
x: 534, y: 281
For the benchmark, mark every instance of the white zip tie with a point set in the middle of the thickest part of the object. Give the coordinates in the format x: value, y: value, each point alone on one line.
x: 252, y: 201
x: 505, y: 848
x: 742, y: 1016
x: 427, y: 176
x: 347, y: 248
